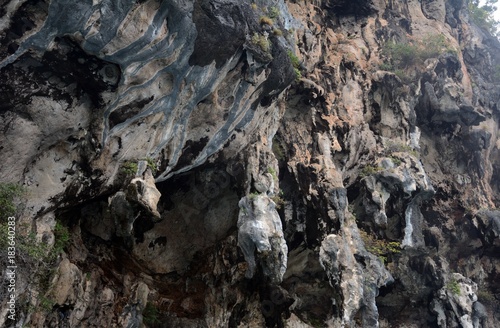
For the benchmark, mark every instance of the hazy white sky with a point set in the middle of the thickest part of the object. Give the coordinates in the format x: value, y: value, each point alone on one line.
x: 497, y: 13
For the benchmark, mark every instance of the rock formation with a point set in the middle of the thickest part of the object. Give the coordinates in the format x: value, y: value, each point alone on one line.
x: 267, y: 163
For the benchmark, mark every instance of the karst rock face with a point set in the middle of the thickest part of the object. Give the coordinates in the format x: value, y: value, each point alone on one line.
x: 204, y: 182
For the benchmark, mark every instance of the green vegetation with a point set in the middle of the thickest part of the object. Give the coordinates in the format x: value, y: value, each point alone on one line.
x: 46, y: 303
x: 352, y: 209
x: 278, y: 150
x: 39, y: 259
x: 298, y: 74
x: 274, y: 12
x: 273, y: 173
x: 253, y: 195
x: 30, y: 249
x: 151, y: 315
x: 402, y: 75
x: 34, y: 251
x: 262, y: 41
x: 382, y: 248
x: 369, y: 170
x: 396, y: 160
x: 483, y: 17
x: 453, y: 287
x: 293, y: 59
x: 485, y: 296
x: 278, y: 200
x: 399, y: 147
x: 151, y: 164
x: 434, y: 45
x: 8, y: 193
x: 61, y: 239
x: 129, y: 168
x: 401, y: 56
x: 295, y: 63
x: 385, y: 66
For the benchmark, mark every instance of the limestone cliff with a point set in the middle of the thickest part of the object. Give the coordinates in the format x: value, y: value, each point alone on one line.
x: 267, y: 163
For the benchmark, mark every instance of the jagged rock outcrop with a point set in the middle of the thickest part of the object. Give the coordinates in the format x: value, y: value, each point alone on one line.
x: 222, y: 163
x: 359, y: 273
x: 260, y: 230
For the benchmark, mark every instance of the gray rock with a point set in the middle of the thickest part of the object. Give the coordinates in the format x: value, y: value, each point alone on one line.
x: 358, y: 273
x: 259, y: 229
x: 206, y: 89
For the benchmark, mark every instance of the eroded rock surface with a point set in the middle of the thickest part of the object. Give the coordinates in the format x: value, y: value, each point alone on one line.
x: 260, y: 233
x: 222, y: 163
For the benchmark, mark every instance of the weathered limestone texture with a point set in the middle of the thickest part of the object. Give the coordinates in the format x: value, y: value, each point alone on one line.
x: 264, y: 163
x: 259, y: 229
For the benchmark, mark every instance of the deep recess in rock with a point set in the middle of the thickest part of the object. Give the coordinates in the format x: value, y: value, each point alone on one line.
x: 223, y: 163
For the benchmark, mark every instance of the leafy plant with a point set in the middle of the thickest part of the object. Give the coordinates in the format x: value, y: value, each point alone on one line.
x: 434, y: 45
x: 453, y: 287
x: 485, y: 296
x: 46, y: 303
x: 403, y: 76
x: 295, y: 63
x: 278, y: 200
x: 274, y: 12
x: 399, y: 147
x: 401, y: 55
x: 369, y: 170
x: 38, y: 258
x: 31, y: 247
x: 129, y: 168
x: 298, y: 74
x: 386, y: 66
x: 395, y: 160
x: 272, y: 171
x: 262, y: 41
x: 35, y: 251
x: 8, y: 193
x: 382, y: 248
x: 253, y: 195
x: 151, y: 164
x: 278, y: 150
x: 61, y: 238
x: 483, y: 15
x: 293, y: 59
